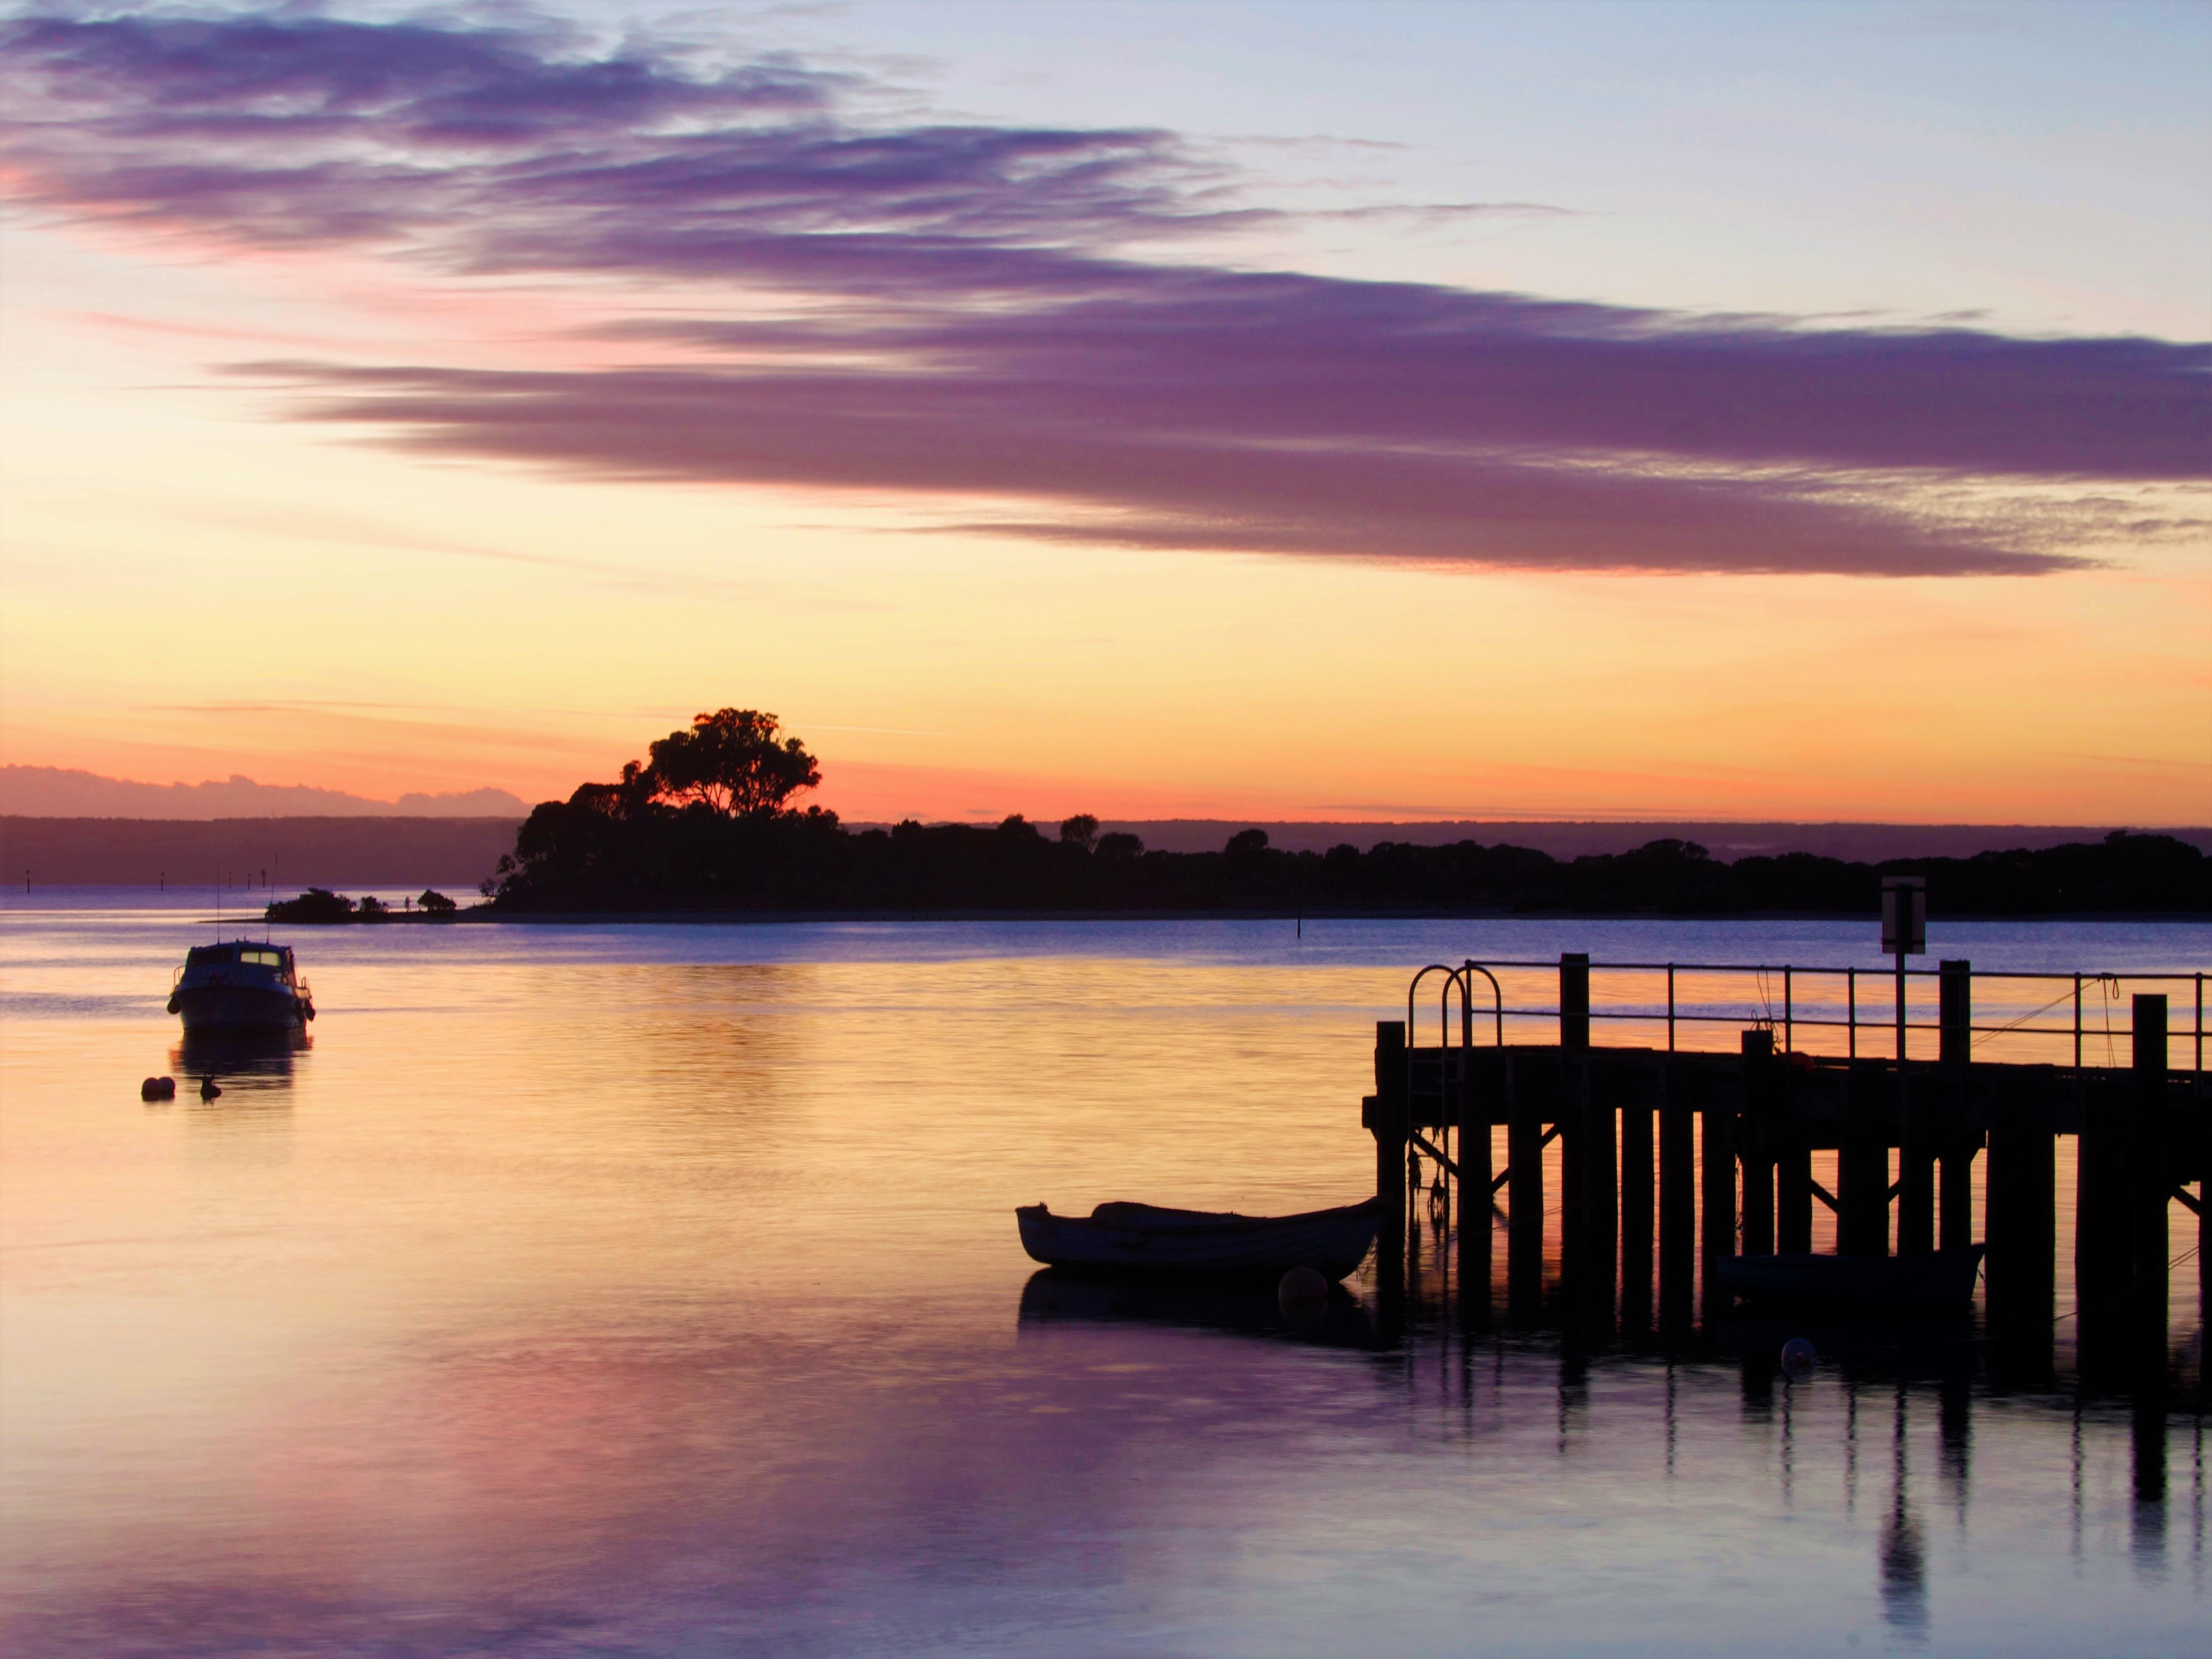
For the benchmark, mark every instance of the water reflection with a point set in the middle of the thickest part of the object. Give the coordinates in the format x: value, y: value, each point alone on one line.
x: 600, y: 1296
x: 1050, y: 1296
x: 250, y: 1061
x: 1904, y: 1558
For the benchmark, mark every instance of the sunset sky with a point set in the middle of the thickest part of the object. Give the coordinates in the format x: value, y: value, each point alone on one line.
x: 1279, y: 411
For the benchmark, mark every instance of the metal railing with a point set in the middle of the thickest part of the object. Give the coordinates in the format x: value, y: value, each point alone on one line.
x: 1838, y: 1006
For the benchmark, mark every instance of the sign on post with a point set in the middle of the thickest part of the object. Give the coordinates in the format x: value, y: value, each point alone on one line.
x: 1903, y: 915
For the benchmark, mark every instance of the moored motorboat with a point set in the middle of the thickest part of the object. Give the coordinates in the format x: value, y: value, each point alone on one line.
x: 1145, y: 1239
x: 1927, y: 1279
x: 244, y: 985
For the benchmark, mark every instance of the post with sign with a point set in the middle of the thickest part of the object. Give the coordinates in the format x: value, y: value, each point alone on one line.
x: 1904, y: 933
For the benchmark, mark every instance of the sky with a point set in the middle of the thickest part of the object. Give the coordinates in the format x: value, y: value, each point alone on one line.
x: 1375, y: 411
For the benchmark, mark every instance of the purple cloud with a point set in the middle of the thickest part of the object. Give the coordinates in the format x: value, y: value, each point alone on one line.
x: 976, y: 324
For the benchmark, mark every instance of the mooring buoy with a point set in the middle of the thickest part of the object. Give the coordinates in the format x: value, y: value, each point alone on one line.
x: 1302, y: 1293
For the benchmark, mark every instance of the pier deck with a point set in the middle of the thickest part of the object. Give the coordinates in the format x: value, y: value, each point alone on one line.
x: 1672, y: 1160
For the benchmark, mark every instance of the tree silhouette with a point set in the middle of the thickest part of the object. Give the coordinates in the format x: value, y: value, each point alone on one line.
x: 731, y: 761
x: 1081, y: 830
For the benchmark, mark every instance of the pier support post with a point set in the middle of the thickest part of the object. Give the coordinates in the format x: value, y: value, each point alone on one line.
x: 2021, y: 1227
x: 1390, y: 1126
x: 1956, y: 1143
x: 2103, y: 1246
x: 1574, y: 1002
x: 1678, y: 1198
x: 1524, y: 1207
x: 1719, y: 1205
x: 1578, y: 1241
x: 1918, y: 1139
x: 1474, y: 1201
x: 1756, y: 1135
x: 1636, y: 1212
x: 1793, y: 1165
x: 2151, y: 1183
x: 1954, y: 994
x: 1862, y: 1170
x: 1955, y: 1196
x: 1595, y: 1279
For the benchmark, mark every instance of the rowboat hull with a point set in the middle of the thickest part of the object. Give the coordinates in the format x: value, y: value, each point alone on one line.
x: 1932, y: 1278
x: 1139, y: 1240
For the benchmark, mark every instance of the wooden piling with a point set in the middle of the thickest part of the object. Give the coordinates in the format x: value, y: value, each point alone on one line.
x: 1574, y: 1139
x: 1677, y: 1197
x: 1862, y: 1168
x: 1524, y: 1207
x: 2021, y: 1227
x: 1390, y: 1120
x: 1637, y: 1217
x: 1604, y: 1225
x: 2103, y: 1244
x: 1919, y: 1138
x: 1474, y: 1199
x: 2150, y: 1173
x: 1574, y: 1002
x: 1954, y: 993
x: 1756, y: 1138
x: 1793, y: 1194
x: 1717, y: 1128
x: 1956, y: 1146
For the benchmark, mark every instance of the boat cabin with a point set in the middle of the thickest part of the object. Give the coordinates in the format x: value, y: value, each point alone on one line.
x: 242, y: 953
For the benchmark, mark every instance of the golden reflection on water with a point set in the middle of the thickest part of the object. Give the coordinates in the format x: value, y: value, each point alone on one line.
x: 636, y: 1305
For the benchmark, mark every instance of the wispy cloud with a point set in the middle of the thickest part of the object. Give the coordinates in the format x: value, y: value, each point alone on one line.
x: 954, y: 310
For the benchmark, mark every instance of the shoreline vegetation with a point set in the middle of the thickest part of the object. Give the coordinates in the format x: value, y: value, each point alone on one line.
x: 704, y: 829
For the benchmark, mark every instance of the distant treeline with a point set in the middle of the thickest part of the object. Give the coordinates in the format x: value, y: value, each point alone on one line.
x: 601, y: 851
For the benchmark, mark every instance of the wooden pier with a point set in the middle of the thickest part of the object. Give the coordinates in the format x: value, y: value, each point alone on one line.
x: 1672, y: 1160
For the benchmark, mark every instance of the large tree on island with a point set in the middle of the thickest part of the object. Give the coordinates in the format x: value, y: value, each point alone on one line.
x: 731, y: 760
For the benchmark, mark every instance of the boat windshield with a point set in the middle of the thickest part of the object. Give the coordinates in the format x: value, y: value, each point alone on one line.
x: 257, y: 956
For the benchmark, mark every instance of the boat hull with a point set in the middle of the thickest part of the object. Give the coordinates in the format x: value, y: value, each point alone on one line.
x: 1932, y: 1278
x: 1139, y: 1241
x: 212, y: 1008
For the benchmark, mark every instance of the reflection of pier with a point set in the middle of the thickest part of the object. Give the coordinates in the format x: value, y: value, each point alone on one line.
x: 1670, y: 1160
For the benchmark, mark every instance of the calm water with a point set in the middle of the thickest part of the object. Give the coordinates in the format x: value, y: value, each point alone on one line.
x: 614, y: 1290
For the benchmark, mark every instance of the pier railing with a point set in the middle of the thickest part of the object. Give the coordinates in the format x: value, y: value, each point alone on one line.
x: 1849, y: 1013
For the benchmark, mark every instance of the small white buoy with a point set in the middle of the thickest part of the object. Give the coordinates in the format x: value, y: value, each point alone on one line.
x: 1798, y: 1356
x: 158, y: 1088
x: 1302, y: 1293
